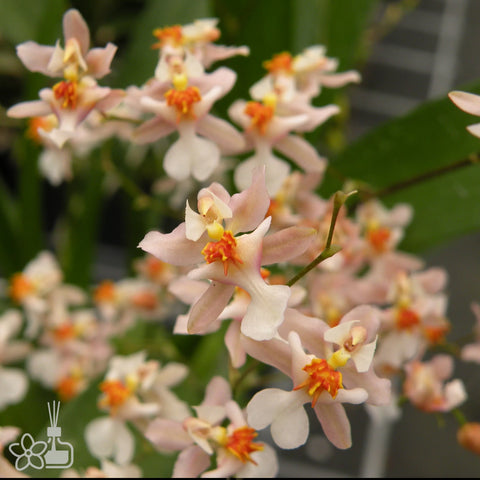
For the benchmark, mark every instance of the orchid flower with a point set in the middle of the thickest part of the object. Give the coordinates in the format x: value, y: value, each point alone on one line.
x: 232, y: 260
x: 78, y: 94
x: 316, y: 381
x: 424, y: 385
x: 265, y: 130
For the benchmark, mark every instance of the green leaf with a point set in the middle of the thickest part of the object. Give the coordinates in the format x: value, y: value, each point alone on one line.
x: 422, y: 159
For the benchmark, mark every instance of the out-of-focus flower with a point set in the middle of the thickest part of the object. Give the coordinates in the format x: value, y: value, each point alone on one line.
x: 425, y: 388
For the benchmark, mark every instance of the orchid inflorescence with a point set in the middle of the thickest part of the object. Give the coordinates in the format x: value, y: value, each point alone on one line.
x: 295, y: 283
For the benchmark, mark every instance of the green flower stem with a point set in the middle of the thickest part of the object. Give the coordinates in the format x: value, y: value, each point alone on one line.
x: 329, y: 250
x: 459, y: 416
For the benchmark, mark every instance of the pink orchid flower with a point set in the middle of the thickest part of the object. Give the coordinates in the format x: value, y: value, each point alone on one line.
x: 425, y: 388
x: 232, y: 260
x: 73, y: 61
x: 202, y: 136
x: 316, y: 381
x: 265, y: 130
x: 71, y: 99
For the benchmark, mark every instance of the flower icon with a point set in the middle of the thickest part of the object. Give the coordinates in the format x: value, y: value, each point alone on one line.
x: 31, y: 455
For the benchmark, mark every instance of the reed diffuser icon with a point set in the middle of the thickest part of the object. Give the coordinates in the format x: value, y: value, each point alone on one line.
x: 63, y: 456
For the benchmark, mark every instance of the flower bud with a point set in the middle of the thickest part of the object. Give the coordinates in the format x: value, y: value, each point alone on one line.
x: 468, y: 436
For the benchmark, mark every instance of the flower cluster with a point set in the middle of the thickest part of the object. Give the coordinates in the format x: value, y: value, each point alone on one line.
x: 314, y: 292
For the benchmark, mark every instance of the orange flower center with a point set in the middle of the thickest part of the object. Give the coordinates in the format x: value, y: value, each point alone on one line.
x: 67, y: 387
x: 105, y: 292
x: 64, y: 332
x: 115, y: 393
x: 436, y: 334
x: 66, y: 91
x: 407, y: 318
x: 183, y: 101
x: 378, y: 239
x: 281, y: 62
x: 260, y: 115
x: 321, y: 377
x: 168, y: 35
x: 224, y: 250
x: 46, y: 123
x: 241, y: 444
x: 145, y: 300
x: 20, y: 287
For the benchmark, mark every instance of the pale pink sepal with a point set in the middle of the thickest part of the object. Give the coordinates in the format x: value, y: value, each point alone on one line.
x: 209, y: 306
x: 191, y: 463
x: 335, y: 80
x: 100, y: 59
x: 152, y: 130
x: 250, y: 206
x: 274, y: 352
x: 276, y: 170
x: 218, y: 392
x: 234, y: 345
x: 229, y: 140
x: 474, y: 129
x: 379, y: 389
x: 286, y: 244
x: 34, y: 108
x: 168, y: 435
x: 468, y: 102
x: 172, y: 247
x: 35, y: 57
x: 302, y: 153
x: 310, y: 329
x: 335, y: 424
x: 75, y: 27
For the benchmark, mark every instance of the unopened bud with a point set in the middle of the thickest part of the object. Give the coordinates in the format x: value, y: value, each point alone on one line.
x: 468, y: 436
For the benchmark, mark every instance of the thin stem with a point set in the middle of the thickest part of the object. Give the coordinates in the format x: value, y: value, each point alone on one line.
x: 459, y: 416
x: 329, y: 250
x: 466, y: 162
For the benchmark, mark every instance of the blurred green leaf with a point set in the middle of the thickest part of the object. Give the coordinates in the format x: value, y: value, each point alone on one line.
x: 413, y: 159
x: 80, y: 230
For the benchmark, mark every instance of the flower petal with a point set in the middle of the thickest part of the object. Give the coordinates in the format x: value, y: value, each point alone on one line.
x: 209, y: 306
x: 285, y: 413
x: 173, y: 247
x: 335, y: 424
x: 167, y: 434
x: 286, y: 244
x: 468, y: 102
x: 191, y: 463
